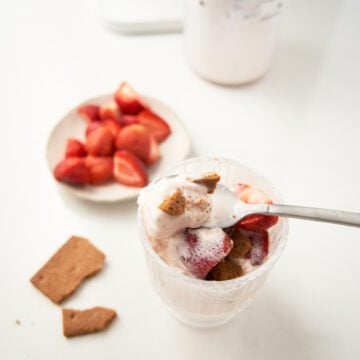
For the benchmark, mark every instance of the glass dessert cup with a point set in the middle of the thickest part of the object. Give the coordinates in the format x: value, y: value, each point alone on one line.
x: 202, y: 303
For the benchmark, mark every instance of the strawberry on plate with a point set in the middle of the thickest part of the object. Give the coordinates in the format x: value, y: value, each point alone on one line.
x: 135, y: 138
x: 90, y: 112
x: 155, y: 124
x: 93, y: 125
x: 100, y: 142
x: 202, y: 249
x: 110, y: 111
x: 75, y: 148
x: 260, y: 246
x: 154, y: 153
x: 100, y: 167
x: 251, y: 195
x: 128, y: 100
x: 73, y: 171
x: 113, y: 125
x: 129, y: 119
x: 129, y: 169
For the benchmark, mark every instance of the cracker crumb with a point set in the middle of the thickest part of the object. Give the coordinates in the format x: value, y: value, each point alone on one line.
x: 209, y: 180
x: 174, y: 204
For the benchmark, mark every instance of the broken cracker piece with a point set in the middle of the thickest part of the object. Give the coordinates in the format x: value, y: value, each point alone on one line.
x: 174, y: 204
x: 242, y: 244
x: 225, y: 270
x: 76, y: 260
x: 81, y: 322
x: 210, y: 181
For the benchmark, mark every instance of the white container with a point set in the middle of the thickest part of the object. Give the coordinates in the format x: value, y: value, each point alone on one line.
x: 230, y: 42
x: 203, y: 303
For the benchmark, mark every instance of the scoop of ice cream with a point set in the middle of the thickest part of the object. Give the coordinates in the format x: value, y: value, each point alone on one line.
x: 161, y: 224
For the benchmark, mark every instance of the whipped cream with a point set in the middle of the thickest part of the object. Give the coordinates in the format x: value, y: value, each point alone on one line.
x: 161, y: 225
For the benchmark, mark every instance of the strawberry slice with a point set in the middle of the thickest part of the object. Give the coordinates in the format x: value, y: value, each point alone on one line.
x: 128, y: 100
x: 129, y: 170
x: 135, y: 138
x: 257, y: 222
x: 155, y: 124
x: 260, y: 246
x: 93, y: 125
x: 252, y: 195
x: 154, y: 153
x: 202, y: 249
x: 89, y: 112
x: 73, y: 171
x: 110, y: 111
x: 129, y: 119
x: 113, y: 125
x: 100, y: 142
x: 100, y: 167
x: 74, y: 148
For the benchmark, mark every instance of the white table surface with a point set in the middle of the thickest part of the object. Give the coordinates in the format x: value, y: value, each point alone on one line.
x: 300, y: 126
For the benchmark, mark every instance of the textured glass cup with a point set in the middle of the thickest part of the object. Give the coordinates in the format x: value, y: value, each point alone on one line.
x: 211, y: 303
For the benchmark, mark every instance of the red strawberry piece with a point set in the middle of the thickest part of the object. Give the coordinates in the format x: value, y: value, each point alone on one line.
x: 260, y: 246
x: 128, y: 100
x: 110, y: 111
x: 100, y: 167
x: 154, y: 153
x: 74, y: 148
x: 257, y: 222
x: 113, y: 125
x: 129, y: 119
x: 100, y: 142
x: 135, y: 138
x: 202, y: 249
x: 252, y: 195
x: 90, y: 112
x: 156, y: 125
x: 129, y: 169
x: 92, y: 126
x: 73, y: 171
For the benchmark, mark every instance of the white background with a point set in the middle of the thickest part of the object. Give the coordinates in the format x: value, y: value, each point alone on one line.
x: 300, y: 126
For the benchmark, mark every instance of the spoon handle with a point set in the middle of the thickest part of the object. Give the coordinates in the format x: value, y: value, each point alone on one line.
x: 309, y: 213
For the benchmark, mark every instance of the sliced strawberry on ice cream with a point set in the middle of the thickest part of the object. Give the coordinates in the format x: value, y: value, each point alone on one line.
x: 100, y: 167
x: 155, y: 124
x: 129, y: 169
x: 260, y: 246
x: 90, y: 112
x: 251, y: 195
x: 100, y: 142
x: 74, y: 148
x: 135, y: 138
x: 202, y: 249
x: 128, y: 100
x: 110, y: 111
x: 73, y: 171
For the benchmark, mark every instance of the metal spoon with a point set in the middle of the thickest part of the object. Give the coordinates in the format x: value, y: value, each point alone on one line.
x: 227, y: 210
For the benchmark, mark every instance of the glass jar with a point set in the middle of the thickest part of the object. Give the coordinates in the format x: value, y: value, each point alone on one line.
x: 230, y: 42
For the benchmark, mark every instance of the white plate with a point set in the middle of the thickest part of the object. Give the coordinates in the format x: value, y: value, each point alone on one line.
x: 174, y: 149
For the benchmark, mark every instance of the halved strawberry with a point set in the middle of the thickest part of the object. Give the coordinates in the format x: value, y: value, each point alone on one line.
x: 100, y: 167
x: 129, y: 170
x: 73, y: 171
x: 100, y: 142
x: 93, y: 125
x: 257, y: 222
x: 135, y: 138
x: 110, y: 111
x: 75, y: 148
x: 128, y: 100
x: 260, y: 246
x: 154, y: 153
x: 90, y: 112
x: 113, y: 125
x: 202, y: 249
x: 155, y: 124
x: 129, y: 119
x: 252, y: 195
